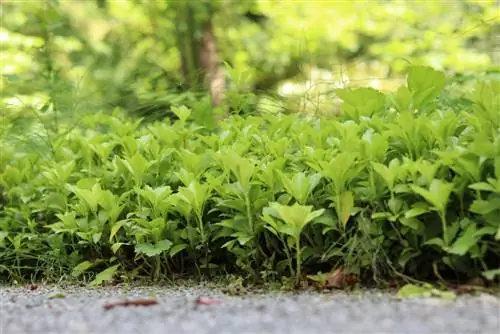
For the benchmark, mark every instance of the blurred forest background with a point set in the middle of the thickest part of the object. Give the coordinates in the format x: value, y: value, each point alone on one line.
x: 77, y: 57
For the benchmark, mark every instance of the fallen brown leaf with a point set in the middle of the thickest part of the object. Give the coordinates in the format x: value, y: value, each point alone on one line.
x: 206, y: 301
x: 32, y: 287
x: 338, y: 279
x: 477, y: 281
x: 471, y: 285
x: 127, y: 303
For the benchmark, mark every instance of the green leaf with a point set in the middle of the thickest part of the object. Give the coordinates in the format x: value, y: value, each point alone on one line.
x: 56, y: 295
x: 116, y: 246
x: 362, y: 101
x: 153, y: 249
x: 137, y: 166
x: 438, y: 194
x: 341, y: 169
x: 466, y: 240
x: 195, y: 195
x: 491, y: 274
x: 96, y: 237
x: 412, y: 290
x: 295, y: 217
x: 435, y: 241
x: 487, y: 230
x: 395, y: 205
x: 425, y: 290
x: 116, y: 226
x: 157, y: 196
x: 90, y: 198
x: 182, y: 112
x: 176, y: 249
x: 486, y: 102
x: 406, y: 255
x: 300, y: 186
x: 3, y: 236
x: 381, y: 215
x: 388, y: 173
x: 415, y: 212
x: 81, y: 268
x: 105, y: 275
x: 412, y: 223
x: 346, y: 206
x: 401, y: 99
x: 485, y: 207
x: 483, y: 186
x: 425, y: 84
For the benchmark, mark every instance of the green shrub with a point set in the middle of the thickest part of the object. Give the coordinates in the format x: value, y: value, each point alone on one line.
x: 399, y: 184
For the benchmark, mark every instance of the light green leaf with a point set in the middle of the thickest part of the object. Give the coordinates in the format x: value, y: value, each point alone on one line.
x: 300, y: 185
x: 415, y: 212
x: 491, y: 274
x: 96, y: 237
x: 116, y: 246
x: 425, y: 84
x: 484, y: 207
x: 412, y: 223
x: 182, y: 112
x: 56, y: 295
x: 346, y: 206
x: 435, y: 241
x: 105, y: 275
x: 295, y: 217
x: 466, y: 240
x: 401, y: 99
x: 412, y: 290
x: 438, y: 194
x: 425, y: 291
x: 137, y: 166
x: 153, y: 249
x: 195, y: 194
x: 381, y: 215
x: 81, y: 268
x: 116, y: 226
x: 388, y: 173
x: 176, y: 249
x: 361, y: 101
x: 483, y: 186
x: 89, y: 197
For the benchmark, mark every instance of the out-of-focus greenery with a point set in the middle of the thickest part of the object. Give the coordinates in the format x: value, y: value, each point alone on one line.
x: 86, y: 55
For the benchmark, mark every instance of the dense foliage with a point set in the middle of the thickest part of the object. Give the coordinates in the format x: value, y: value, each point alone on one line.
x: 398, y: 180
x: 406, y: 183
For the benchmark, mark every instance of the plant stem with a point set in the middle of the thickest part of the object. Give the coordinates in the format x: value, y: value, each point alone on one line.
x: 298, y: 271
x: 442, y: 215
x: 157, y: 267
x: 249, y: 213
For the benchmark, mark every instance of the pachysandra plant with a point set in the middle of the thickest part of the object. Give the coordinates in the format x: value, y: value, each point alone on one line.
x: 287, y: 223
x: 409, y: 175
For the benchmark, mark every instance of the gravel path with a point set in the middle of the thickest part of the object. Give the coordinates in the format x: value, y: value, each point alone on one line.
x: 178, y: 312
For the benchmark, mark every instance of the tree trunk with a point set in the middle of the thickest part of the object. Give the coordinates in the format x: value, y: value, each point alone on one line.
x: 200, y: 62
x: 213, y: 71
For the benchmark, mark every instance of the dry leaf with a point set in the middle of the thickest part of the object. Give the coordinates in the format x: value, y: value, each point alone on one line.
x: 338, y: 279
x: 471, y: 285
x: 206, y: 301
x: 477, y: 281
x: 126, y: 303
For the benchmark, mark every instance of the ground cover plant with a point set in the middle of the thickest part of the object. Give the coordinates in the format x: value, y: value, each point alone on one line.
x: 402, y: 184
